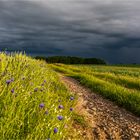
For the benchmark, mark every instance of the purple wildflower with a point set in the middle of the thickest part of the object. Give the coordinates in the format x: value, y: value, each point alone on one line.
x: 45, y: 81
x: 46, y: 112
x: 60, y: 118
x: 55, y: 130
x: 23, y: 78
x: 60, y: 107
x: 41, y: 105
x: 71, y: 98
x: 12, y: 90
x: 36, y: 89
x: 71, y: 109
x: 8, y: 82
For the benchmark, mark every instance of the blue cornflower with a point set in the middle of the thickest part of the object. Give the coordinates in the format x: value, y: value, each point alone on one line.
x: 71, y: 109
x: 41, y: 105
x: 23, y: 78
x: 55, y: 130
x: 12, y: 90
x: 36, y: 89
x: 60, y: 106
x: 46, y: 112
x: 71, y: 98
x: 8, y: 82
x: 60, y: 118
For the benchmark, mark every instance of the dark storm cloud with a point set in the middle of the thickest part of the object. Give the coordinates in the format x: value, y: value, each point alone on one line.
x: 106, y: 29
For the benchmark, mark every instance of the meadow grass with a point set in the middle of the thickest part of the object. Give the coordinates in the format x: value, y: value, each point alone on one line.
x: 122, y: 88
x: 123, y: 80
x: 33, y: 102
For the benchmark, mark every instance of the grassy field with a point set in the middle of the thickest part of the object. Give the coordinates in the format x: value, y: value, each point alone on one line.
x: 119, y: 84
x: 33, y: 103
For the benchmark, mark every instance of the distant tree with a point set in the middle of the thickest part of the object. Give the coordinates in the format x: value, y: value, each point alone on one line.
x: 40, y: 57
x: 71, y: 60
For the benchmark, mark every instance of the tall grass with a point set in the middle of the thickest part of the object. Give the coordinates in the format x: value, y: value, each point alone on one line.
x: 124, y: 90
x: 33, y: 103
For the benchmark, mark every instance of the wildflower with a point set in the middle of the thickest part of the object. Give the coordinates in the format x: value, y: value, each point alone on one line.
x: 36, y: 89
x: 44, y: 81
x: 12, y: 79
x: 23, y: 78
x: 60, y: 107
x: 71, y: 98
x: 8, y: 82
x: 55, y: 130
x: 12, y: 90
x: 60, y: 118
x: 71, y: 109
x: 41, y: 105
x: 46, y: 112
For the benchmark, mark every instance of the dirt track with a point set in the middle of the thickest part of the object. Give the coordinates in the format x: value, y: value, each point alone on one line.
x: 106, y: 119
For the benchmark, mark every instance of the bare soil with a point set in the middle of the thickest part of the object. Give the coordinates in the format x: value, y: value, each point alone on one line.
x: 105, y: 119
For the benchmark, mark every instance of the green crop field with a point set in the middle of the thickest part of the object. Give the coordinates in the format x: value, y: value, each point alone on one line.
x: 117, y: 83
x: 33, y: 102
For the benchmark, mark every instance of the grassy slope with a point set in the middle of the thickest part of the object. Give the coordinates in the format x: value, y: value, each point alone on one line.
x: 25, y: 84
x: 119, y: 84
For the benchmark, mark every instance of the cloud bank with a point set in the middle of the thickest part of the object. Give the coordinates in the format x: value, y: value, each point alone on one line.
x: 90, y: 28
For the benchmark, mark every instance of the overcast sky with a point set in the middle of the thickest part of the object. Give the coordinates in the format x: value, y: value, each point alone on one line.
x: 108, y: 29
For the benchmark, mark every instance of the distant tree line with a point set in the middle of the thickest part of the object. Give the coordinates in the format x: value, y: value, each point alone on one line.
x: 71, y: 60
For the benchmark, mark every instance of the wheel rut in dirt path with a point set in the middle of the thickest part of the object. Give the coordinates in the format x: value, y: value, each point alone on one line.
x: 106, y: 119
